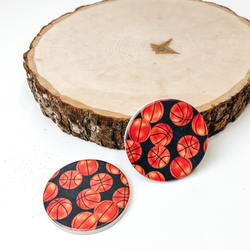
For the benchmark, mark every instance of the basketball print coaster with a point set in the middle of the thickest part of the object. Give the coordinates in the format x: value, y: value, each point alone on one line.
x: 87, y: 196
x: 166, y: 140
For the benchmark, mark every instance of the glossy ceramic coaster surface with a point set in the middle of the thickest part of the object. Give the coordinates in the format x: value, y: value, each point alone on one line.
x: 166, y: 139
x: 87, y: 196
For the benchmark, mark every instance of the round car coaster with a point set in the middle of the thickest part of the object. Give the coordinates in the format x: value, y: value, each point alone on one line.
x: 86, y: 197
x: 166, y: 139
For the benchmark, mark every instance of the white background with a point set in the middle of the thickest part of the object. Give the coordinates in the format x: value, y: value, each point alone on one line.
x: 209, y: 209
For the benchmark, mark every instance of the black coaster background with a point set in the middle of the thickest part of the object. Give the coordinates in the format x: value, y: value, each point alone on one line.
x: 71, y: 194
x: 178, y: 133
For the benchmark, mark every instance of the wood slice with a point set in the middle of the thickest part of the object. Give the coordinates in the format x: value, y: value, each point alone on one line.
x: 92, y: 69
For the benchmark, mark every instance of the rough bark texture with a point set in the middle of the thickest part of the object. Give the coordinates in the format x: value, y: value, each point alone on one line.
x: 84, y: 124
x: 109, y: 131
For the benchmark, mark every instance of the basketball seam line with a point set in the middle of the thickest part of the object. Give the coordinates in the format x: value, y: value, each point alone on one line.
x: 158, y: 142
x: 159, y: 156
x: 123, y: 176
x: 83, y: 221
x: 196, y: 121
x: 106, y: 211
x: 181, y: 167
x: 181, y: 118
x: 152, y: 113
x: 131, y: 154
x: 50, y: 194
x: 124, y: 188
x: 188, y: 147
x: 70, y: 178
x: 181, y: 112
x: 81, y: 200
x: 56, y: 202
x: 87, y: 167
x: 169, y: 131
x: 61, y: 204
x: 91, y: 226
x: 139, y: 131
x: 189, y: 115
x: 74, y: 180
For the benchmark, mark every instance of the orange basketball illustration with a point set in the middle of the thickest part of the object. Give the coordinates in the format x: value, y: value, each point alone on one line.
x: 188, y: 146
x: 124, y: 179
x: 121, y: 196
x: 87, y: 203
x: 161, y: 134
x: 88, y: 198
x: 177, y: 131
x: 112, y: 169
x: 101, y: 182
x: 70, y: 179
x: 87, y: 167
x: 199, y: 125
x: 158, y: 157
x: 84, y: 221
x: 55, y: 174
x: 181, y: 113
x: 139, y: 169
x: 139, y: 130
x: 106, y: 211
x: 153, y: 112
x: 180, y: 167
x: 50, y: 191
x: 205, y: 145
x: 156, y: 176
x: 59, y: 208
x: 133, y: 150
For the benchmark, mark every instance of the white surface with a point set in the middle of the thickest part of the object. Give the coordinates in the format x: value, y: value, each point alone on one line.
x: 207, y: 210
